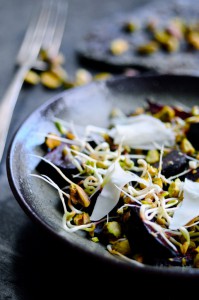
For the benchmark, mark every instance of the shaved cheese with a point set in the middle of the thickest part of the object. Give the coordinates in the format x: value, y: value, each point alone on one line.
x: 189, y: 207
x: 142, y: 132
x: 110, y: 194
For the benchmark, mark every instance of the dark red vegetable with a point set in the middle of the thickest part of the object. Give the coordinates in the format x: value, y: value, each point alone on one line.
x: 155, y: 107
x: 173, y: 163
x: 56, y: 157
x: 143, y: 239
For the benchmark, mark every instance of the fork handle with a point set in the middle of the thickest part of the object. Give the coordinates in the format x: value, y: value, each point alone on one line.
x: 7, y: 104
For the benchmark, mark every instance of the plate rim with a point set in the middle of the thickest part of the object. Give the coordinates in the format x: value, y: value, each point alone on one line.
x: 189, y: 273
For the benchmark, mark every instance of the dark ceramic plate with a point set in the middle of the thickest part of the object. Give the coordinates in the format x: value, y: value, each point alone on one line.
x: 94, y: 47
x: 89, y: 104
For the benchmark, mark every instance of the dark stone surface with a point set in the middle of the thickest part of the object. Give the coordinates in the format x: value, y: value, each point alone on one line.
x: 32, y: 264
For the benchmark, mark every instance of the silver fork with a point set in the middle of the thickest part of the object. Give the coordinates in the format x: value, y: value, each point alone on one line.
x: 44, y: 32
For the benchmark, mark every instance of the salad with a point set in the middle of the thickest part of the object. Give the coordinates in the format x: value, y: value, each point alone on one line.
x: 133, y: 186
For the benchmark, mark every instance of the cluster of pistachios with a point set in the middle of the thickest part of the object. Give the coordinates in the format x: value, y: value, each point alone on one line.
x: 54, y: 75
x: 158, y: 186
x: 171, y: 37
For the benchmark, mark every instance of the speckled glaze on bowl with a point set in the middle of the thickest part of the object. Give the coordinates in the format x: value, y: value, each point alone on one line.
x: 90, y: 104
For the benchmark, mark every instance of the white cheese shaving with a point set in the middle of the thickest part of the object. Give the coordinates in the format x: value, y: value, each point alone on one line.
x: 110, y: 194
x: 188, y: 209
x: 142, y: 132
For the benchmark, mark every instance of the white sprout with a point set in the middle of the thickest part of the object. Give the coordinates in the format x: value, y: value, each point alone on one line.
x: 129, y: 260
x: 49, y: 181
x: 180, y: 174
x: 153, y: 203
x: 72, y: 228
x: 160, y: 161
x: 55, y: 167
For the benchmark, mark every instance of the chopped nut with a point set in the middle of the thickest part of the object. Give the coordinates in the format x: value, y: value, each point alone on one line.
x: 152, y: 25
x: 187, y: 147
x: 112, y: 230
x: 193, y: 39
x: 174, y: 188
x: 148, y: 48
x: 153, y: 156
x: 78, y: 195
x: 32, y: 78
x: 170, y: 43
x: 122, y: 246
x: 50, y: 80
x: 184, y: 247
x: 166, y: 114
x: 60, y: 73
x: 82, y: 77
x: 158, y: 181
x: 80, y: 219
x: 130, y: 26
x: 119, y: 46
x: 70, y: 135
x: 152, y: 170
x: 52, y: 143
x: 95, y: 239
x: 102, y: 76
x: 161, y: 221
x: 161, y: 37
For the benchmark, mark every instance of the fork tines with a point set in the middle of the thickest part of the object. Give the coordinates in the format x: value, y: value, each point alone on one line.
x: 45, y: 31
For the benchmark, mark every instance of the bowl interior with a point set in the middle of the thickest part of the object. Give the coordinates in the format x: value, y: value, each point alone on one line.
x: 85, y: 105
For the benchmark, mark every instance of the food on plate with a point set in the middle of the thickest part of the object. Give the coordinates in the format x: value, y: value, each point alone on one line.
x: 175, y: 35
x: 162, y: 36
x: 133, y: 186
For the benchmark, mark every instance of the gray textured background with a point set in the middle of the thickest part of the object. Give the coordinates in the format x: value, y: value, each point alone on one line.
x: 30, y: 261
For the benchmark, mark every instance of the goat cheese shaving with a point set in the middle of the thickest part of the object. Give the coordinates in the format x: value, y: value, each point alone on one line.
x: 189, y: 207
x: 110, y: 194
x: 142, y: 132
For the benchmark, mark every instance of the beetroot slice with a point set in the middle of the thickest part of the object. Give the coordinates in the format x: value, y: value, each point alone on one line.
x: 62, y: 162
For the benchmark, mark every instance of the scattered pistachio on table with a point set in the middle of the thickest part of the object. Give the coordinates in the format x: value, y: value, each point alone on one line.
x: 148, y: 48
x: 175, y: 34
x: 119, y: 46
x: 130, y: 26
x: 152, y: 25
x: 193, y: 39
x: 32, y: 77
x: 82, y: 77
x: 55, y: 76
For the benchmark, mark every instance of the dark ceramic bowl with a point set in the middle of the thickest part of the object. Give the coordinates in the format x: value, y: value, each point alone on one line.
x: 94, y: 48
x: 90, y: 104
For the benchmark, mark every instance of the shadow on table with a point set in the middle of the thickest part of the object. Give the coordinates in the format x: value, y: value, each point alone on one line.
x: 47, y: 269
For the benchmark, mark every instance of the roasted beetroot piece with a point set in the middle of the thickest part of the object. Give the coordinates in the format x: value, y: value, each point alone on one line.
x: 173, y: 163
x: 193, y: 135
x: 144, y: 240
x: 153, y: 106
x: 56, y: 157
x: 193, y: 175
